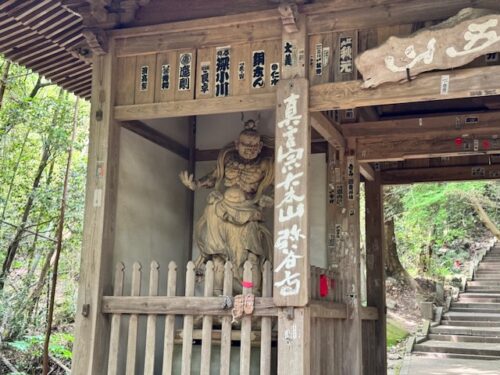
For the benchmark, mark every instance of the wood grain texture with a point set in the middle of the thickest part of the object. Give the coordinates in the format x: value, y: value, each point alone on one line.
x: 374, y: 333
x: 197, y: 107
x: 206, y: 340
x: 226, y: 329
x: 445, y: 46
x: 466, y: 83
x: 133, y: 323
x: 441, y: 174
x: 246, y: 325
x: 92, y: 331
x: 149, y: 356
x: 293, y: 292
x: 114, y: 341
x: 393, y: 150
x: 168, y: 341
x: 187, y: 341
x: 453, y: 125
x: 266, y: 325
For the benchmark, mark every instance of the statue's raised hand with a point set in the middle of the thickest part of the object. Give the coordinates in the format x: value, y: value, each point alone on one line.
x: 188, y: 180
x: 266, y: 201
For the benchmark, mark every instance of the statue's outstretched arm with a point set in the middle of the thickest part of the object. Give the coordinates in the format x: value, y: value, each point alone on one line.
x: 190, y: 182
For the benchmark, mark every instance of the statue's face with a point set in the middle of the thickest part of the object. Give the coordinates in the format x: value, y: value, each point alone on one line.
x: 249, y: 146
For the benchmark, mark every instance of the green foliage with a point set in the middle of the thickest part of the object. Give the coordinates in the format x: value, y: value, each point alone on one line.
x: 438, y: 216
x: 395, y: 333
x: 60, y: 345
x: 31, y: 125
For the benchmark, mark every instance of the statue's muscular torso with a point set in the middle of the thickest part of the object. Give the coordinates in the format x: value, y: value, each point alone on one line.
x: 244, y: 175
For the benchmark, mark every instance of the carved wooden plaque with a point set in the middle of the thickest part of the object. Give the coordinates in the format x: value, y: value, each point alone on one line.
x: 453, y: 43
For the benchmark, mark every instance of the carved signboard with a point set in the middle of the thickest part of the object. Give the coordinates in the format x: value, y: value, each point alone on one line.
x: 451, y: 44
x: 290, y: 224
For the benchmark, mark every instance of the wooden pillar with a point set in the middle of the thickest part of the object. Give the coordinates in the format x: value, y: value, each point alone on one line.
x: 343, y: 226
x: 291, y: 224
x: 334, y: 222
x: 352, y: 362
x: 92, y: 327
x: 374, y: 332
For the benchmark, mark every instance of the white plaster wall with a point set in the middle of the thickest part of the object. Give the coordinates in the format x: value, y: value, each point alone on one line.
x: 151, y: 208
x: 151, y: 220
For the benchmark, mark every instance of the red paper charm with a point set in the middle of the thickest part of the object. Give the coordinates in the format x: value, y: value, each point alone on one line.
x: 324, y: 285
x: 458, y: 141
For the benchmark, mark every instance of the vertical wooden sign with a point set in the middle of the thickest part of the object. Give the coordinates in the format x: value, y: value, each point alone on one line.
x: 291, y: 259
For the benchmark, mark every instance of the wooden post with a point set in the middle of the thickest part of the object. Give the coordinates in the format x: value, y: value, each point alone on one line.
x: 352, y: 362
x: 92, y: 327
x: 374, y: 331
x: 334, y: 224
x: 291, y: 224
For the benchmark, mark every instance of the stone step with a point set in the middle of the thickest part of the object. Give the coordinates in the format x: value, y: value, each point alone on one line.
x: 471, y: 323
x: 490, y: 277
x: 475, y: 310
x: 469, y: 348
x: 456, y: 356
x: 483, y: 283
x: 484, y: 286
x: 479, y: 297
x: 488, y: 266
x: 463, y: 330
x: 483, y: 289
x: 463, y: 338
x: 463, y: 316
x: 476, y: 305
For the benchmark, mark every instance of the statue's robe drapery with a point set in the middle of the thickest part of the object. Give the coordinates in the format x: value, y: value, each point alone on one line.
x: 231, y: 226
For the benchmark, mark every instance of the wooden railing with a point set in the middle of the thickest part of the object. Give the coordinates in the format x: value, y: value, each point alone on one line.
x: 196, y: 316
x: 189, y: 307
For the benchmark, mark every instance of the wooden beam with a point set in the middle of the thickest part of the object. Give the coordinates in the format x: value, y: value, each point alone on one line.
x: 465, y: 83
x: 440, y: 174
x: 326, y: 128
x: 365, y: 14
x: 458, y: 125
x: 367, y: 171
x: 256, y: 102
x: 394, y: 150
x: 328, y: 310
x: 374, y: 333
x: 156, y: 137
x: 180, y: 306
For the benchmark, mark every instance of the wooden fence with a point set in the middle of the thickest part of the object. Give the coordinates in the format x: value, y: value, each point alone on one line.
x: 208, y: 319
x: 191, y: 309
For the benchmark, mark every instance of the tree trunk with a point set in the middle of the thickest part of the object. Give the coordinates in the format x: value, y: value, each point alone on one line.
x: 483, y: 216
x: 14, y: 244
x: 60, y: 229
x: 393, y: 266
x: 3, y: 81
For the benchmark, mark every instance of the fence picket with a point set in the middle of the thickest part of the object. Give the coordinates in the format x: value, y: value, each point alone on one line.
x: 114, y: 341
x: 168, y: 352
x: 266, y: 327
x: 206, y: 338
x: 132, y: 326
x: 187, y: 332
x: 225, y: 347
x: 149, y: 363
x: 246, y: 324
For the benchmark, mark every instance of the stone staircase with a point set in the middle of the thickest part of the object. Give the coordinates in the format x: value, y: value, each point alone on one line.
x: 471, y: 328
